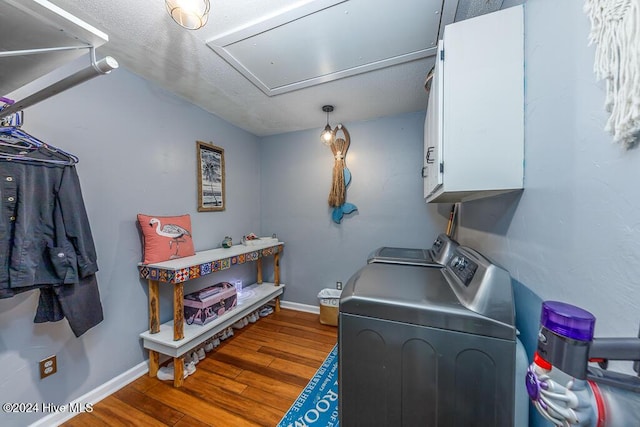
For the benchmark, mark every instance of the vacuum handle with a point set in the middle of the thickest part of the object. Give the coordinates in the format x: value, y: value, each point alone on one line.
x: 615, y: 349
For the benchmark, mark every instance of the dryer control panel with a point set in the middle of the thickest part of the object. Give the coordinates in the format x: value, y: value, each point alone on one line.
x: 481, y: 285
x: 437, y: 246
x: 442, y: 249
x: 463, y: 267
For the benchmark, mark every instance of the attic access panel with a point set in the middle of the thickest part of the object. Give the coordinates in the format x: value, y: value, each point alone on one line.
x: 38, y: 24
x: 324, y: 40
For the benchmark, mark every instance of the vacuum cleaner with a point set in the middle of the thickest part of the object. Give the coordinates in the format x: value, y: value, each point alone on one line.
x: 569, y: 391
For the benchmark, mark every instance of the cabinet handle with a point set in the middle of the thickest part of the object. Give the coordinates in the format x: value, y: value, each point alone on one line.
x: 429, y: 152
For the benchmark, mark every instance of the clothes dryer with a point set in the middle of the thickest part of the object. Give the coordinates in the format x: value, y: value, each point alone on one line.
x: 428, y: 346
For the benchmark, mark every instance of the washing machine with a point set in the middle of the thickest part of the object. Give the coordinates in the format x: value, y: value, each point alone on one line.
x: 436, y: 256
x: 429, y: 346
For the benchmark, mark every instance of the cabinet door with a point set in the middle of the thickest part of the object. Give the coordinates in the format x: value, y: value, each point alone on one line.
x: 483, y: 110
x: 433, y: 138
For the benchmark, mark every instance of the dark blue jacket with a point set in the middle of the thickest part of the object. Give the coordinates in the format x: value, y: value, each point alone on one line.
x: 45, y: 237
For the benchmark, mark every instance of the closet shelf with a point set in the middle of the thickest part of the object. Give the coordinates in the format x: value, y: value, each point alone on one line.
x: 43, y: 38
x: 41, y: 25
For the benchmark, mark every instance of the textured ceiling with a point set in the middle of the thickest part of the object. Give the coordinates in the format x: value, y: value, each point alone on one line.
x: 144, y: 39
x: 326, y: 40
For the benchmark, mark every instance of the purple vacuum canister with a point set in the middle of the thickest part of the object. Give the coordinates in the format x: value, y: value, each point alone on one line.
x: 566, y: 332
x: 568, y: 320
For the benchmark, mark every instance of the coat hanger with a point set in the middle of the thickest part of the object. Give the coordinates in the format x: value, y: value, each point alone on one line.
x: 18, y: 145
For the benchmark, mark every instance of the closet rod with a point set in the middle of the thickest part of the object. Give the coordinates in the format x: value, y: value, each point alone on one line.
x: 104, y: 66
x: 39, y: 50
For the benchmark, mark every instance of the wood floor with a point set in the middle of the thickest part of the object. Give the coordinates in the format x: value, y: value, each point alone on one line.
x: 251, y: 379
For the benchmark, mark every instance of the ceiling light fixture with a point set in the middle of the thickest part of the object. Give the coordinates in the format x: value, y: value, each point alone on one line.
x: 190, y: 14
x: 327, y: 134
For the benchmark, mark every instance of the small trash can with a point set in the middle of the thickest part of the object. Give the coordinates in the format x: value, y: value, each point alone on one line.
x: 329, y: 304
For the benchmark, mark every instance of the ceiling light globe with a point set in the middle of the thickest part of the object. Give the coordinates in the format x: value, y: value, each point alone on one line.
x: 190, y: 14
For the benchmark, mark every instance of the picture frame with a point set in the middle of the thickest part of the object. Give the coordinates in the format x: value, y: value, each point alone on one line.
x: 211, y: 172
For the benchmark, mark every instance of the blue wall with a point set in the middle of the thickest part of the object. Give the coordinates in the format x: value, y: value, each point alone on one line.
x: 385, y: 160
x: 574, y: 233
x: 136, y: 145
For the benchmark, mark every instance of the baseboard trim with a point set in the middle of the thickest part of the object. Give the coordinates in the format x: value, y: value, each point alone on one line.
x: 300, y: 307
x: 115, y: 384
x: 94, y: 396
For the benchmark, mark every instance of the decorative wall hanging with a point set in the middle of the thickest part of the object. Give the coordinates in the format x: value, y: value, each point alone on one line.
x: 341, y: 175
x: 615, y: 29
x: 211, y: 193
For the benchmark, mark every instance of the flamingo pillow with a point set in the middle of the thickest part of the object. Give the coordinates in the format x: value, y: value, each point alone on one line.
x: 165, y: 237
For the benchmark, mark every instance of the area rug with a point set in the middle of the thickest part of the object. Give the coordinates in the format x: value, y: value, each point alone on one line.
x: 317, y: 405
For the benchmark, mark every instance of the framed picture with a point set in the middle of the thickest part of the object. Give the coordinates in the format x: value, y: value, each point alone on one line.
x: 210, y: 166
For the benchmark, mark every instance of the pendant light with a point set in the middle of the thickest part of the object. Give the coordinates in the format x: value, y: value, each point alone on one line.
x: 327, y: 135
x: 190, y: 14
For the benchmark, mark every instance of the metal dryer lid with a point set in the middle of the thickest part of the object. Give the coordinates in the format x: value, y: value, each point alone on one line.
x: 436, y: 297
x: 407, y: 256
x: 436, y: 256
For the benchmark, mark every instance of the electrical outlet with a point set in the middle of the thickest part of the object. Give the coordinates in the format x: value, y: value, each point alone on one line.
x: 48, y: 366
x: 339, y: 285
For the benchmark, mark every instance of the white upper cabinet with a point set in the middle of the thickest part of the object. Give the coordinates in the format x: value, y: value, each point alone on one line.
x: 474, y: 129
